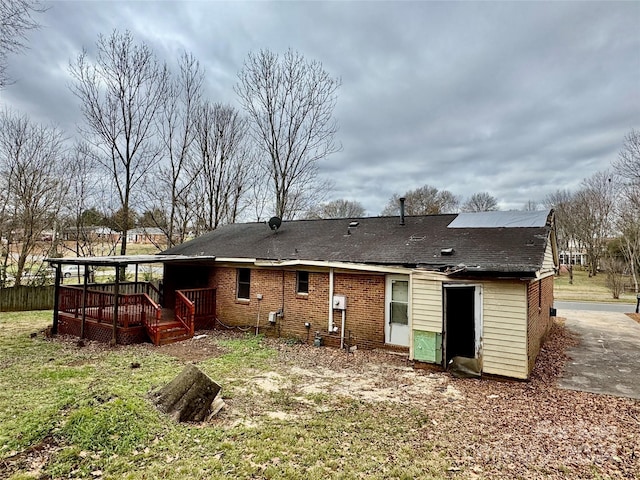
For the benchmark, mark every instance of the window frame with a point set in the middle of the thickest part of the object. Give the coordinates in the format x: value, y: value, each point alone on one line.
x: 299, y: 281
x: 241, y: 284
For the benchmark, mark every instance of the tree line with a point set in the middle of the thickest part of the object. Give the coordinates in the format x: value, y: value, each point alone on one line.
x: 602, y: 217
x: 152, y: 146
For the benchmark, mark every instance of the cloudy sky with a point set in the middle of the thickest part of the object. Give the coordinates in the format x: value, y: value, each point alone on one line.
x: 516, y: 99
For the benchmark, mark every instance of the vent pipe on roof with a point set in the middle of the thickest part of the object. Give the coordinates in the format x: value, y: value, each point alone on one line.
x: 402, y: 199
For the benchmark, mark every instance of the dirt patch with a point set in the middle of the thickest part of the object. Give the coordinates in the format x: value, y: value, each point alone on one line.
x: 201, y: 347
x: 31, y: 461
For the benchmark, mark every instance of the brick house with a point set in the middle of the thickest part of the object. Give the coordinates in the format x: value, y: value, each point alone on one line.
x: 475, y: 285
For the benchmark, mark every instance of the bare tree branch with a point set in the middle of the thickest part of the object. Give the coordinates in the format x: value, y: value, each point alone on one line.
x: 290, y: 103
x: 480, y: 202
x: 16, y: 19
x: 121, y: 93
x: 425, y: 200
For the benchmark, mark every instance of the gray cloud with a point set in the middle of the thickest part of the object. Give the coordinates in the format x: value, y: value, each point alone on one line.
x: 517, y: 99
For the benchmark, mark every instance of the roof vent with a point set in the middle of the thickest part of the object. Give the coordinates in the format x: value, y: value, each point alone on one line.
x: 447, y: 251
x: 274, y: 223
x: 354, y: 224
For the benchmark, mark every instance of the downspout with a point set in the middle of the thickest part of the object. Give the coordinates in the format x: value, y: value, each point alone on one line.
x: 330, y: 300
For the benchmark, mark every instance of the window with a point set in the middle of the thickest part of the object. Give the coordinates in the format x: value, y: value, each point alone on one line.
x: 244, y: 283
x: 399, y: 302
x: 303, y: 282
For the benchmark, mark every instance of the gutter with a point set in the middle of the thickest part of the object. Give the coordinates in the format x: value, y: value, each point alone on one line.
x: 327, y: 264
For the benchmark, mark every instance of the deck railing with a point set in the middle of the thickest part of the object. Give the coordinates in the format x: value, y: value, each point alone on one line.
x: 204, y: 300
x: 134, y: 309
x: 185, y: 312
x: 124, y: 288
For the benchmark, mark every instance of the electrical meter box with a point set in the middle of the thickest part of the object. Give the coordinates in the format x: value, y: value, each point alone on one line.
x: 339, y: 302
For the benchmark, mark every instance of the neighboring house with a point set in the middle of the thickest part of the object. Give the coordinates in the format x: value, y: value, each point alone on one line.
x: 152, y: 235
x: 92, y: 233
x: 476, y: 285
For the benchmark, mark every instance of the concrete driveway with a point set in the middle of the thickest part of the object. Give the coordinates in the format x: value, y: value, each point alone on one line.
x: 607, y: 360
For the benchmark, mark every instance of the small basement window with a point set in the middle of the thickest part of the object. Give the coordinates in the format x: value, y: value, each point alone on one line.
x: 303, y: 282
x: 244, y: 284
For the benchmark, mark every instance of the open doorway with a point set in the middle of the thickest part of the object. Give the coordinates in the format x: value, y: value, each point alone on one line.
x: 462, y: 324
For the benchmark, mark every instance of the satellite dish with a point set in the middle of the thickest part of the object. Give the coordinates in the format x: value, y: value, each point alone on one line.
x: 274, y: 223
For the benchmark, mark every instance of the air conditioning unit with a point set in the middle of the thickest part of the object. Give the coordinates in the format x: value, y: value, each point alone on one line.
x: 272, y: 317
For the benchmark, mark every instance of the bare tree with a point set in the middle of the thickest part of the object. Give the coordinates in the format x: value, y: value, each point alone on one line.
x: 290, y: 103
x: 564, y: 204
x: 170, y: 189
x: 614, y: 268
x: 426, y: 200
x: 628, y: 164
x: 16, y: 19
x: 337, y: 209
x: 81, y: 223
x: 593, y: 211
x: 31, y: 176
x: 627, y: 168
x: 121, y: 94
x: 480, y: 202
x: 530, y: 206
x: 628, y: 225
x: 222, y: 170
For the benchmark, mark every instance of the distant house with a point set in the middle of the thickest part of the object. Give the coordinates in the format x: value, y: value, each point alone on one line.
x: 146, y: 235
x: 92, y: 233
x: 474, y: 285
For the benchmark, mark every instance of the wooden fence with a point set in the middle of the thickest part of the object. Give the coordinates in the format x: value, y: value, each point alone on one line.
x: 23, y: 298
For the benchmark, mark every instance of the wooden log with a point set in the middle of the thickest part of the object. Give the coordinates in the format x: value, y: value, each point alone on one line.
x: 189, y: 397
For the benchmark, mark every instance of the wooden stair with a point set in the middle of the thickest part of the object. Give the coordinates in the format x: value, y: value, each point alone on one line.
x: 171, y: 332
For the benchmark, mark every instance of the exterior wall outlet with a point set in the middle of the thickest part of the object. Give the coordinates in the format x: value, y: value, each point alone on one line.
x: 259, y: 296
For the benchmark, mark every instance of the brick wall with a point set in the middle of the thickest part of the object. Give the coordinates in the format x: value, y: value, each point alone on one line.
x: 365, y: 312
x: 539, y: 303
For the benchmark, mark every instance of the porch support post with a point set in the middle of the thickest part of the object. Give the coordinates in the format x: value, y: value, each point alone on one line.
x: 136, y: 281
x: 56, y: 299
x: 116, y: 301
x: 84, y: 301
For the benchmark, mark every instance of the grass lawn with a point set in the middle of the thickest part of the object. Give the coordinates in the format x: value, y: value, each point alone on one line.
x: 293, y: 411
x: 587, y: 289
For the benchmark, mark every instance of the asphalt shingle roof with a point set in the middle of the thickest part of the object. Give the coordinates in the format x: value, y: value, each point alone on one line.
x: 381, y: 241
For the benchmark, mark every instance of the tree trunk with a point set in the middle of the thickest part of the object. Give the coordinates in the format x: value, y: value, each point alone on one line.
x: 189, y: 397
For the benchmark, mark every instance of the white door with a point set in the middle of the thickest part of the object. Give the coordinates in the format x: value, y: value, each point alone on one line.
x: 397, y: 318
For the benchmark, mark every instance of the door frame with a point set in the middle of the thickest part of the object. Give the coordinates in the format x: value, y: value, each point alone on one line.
x: 389, y: 279
x: 477, y: 316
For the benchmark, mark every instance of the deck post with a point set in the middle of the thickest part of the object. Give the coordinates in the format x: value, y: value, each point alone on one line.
x: 84, y: 302
x: 56, y: 299
x: 116, y: 301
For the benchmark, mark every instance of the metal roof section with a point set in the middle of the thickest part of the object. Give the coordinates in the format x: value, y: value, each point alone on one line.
x: 510, y: 219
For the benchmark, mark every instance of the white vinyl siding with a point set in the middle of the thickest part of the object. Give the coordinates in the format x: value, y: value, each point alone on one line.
x: 504, y: 320
x: 426, y: 308
x: 504, y: 336
x: 548, y: 264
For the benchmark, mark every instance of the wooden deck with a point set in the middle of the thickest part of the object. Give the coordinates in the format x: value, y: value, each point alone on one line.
x: 99, y: 313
